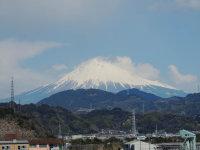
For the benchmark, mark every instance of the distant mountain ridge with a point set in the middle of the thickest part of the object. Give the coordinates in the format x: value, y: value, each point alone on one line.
x: 99, y: 99
x: 99, y: 73
x: 136, y: 92
x: 83, y: 98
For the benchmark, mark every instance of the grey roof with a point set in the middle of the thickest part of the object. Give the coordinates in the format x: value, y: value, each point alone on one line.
x: 15, y: 142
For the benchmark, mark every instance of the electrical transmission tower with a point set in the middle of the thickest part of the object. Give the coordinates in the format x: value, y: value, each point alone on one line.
x: 59, y: 131
x: 20, y: 107
x: 12, y: 98
x: 143, y: 109
x: 134, y: 124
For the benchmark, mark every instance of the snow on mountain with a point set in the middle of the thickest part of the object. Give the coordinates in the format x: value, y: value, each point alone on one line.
x: 101, y: 73
x: 97, y: 71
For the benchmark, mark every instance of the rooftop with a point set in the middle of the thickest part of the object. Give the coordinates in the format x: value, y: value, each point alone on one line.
x: 47, y: 141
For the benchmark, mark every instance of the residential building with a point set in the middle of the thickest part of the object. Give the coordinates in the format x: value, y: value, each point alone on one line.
x: 14, y: 145
x: 46, y: 144
x: 139, y: 145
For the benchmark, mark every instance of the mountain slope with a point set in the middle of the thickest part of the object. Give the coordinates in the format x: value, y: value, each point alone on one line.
x: 85, y: 99
x: 24, y: 125
x: 100, y: 73
x: 121, y: 120
x: 50, y: 118
x: 136, y: 92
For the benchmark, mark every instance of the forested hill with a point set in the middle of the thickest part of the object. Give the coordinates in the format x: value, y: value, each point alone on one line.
x: 135, y: 99
x: 51, y: 117
x: 119, y: 119
x: 26, y: 126
x: 34, y: 117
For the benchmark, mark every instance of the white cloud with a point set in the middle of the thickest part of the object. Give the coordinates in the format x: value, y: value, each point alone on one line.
x: 31, y: 13
x: 179, y: 78
x: 188, y: 4
x: 180, y: 81
x: 171, y: 5
x: 147, y: 71
x: 12, y: 53
x: 143, y: 70
x: 60, y: 67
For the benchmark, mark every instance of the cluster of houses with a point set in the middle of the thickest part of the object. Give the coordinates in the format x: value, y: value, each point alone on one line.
x: 12, y: 143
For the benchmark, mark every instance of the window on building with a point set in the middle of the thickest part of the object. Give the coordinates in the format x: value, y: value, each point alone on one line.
x: 33, y: 145
x: 43, y: 145
x: 53, y: 145
x: 5, y: 147
x: 22, y: 147
x: 133, y: 147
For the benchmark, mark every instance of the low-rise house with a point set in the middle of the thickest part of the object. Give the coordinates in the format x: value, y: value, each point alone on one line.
x: 139, y: 145
x: 14, y: 145
x: 75, y: 137
x: 46, y: 144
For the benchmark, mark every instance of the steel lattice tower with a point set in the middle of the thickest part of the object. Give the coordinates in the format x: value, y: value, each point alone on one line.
x: 59, y: 131
x: 134, y: 124
x: 12, y: 98
x: 143, y: 109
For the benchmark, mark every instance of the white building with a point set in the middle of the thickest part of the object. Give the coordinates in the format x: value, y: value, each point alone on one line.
x: 75, y: 137
x: 139, y: 145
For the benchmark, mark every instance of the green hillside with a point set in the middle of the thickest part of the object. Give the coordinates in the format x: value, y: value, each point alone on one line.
x: 24, y: 125
x: 98, y: 99
x: 50, y: 117
x: 46, y: 118
x: 121, y: 120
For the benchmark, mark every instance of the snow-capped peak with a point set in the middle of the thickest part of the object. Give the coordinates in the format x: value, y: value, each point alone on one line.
x: 112, y: 75
x: 100, y: 70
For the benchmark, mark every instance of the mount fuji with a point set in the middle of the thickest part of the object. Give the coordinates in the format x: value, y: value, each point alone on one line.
x: 101, y: 73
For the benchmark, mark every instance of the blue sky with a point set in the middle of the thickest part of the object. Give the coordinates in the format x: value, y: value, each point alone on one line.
x: 42, y: 40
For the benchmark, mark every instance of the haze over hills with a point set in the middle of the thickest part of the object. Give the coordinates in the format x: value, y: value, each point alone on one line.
x: 99, y: 73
